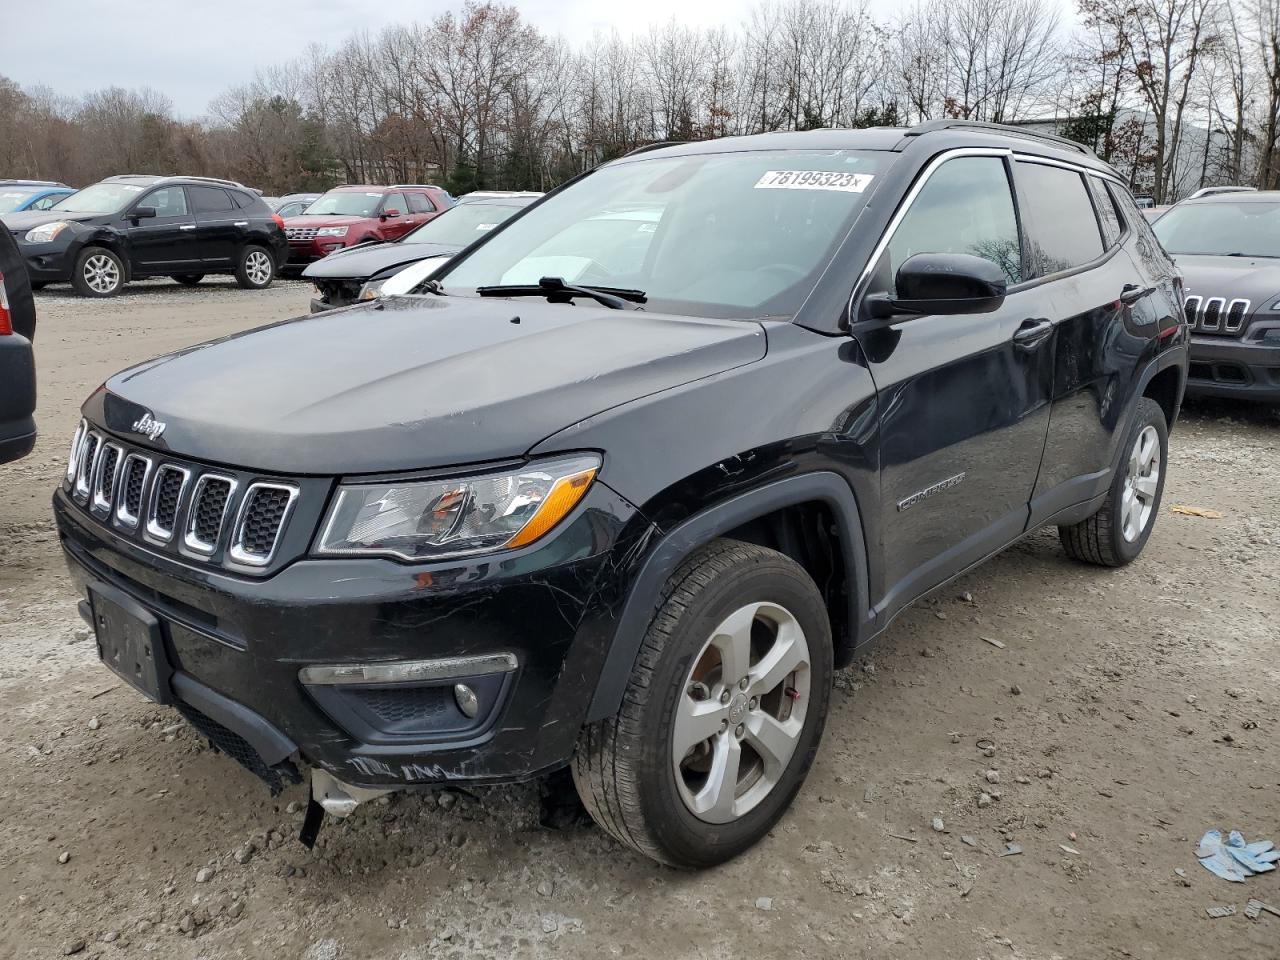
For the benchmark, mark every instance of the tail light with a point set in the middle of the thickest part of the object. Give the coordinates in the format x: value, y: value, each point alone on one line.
x: 6, y: 318
x: 278, y: 219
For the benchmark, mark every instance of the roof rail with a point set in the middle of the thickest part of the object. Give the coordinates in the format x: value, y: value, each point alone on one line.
x: 645, y: 148
x: 33, y: 183
x: 424, y: 186
x: 134, y: 176
x: 929, y: 126
x: 218, y: 180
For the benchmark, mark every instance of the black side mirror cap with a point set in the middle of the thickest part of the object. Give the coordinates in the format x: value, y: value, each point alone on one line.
x: 942, y: 283
x: 142, y: 213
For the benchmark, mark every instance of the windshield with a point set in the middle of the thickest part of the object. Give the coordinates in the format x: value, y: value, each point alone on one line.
x: 715, y: 235
x: 11, y: 200
x: 459, y: 225
x: 348, y: 203
x: 1248, y: 228
x: 100, y: 198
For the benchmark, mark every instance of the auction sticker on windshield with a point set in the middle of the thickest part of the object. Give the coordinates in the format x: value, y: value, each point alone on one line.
x: 814, y: 180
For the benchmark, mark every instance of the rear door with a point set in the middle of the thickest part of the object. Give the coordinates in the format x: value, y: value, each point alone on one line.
x: 421, y: 209
x: 1102, y: 326
x: 220, y: 225
x: 165, y: 243
x: 963, y: 400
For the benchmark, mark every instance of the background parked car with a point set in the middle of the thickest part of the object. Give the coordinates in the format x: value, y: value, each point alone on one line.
x: 17, y: 364
x: 477, y: 195
x: 134, y: 226
x: 358, y: 274
x: 19, y: 195
x: 349, y: 215
x: 292, y: 204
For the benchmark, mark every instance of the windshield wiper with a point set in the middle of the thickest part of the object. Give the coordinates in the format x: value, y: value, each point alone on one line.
x: 557, y: 291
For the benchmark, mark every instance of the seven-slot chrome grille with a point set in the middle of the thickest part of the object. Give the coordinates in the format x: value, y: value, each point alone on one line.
x: 201, y: 512
x: 1216, y: 314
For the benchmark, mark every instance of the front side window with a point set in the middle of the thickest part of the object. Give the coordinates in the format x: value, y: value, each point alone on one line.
x: 1222, y: 228
x: 737, y: 235
x: 396, y: 202
x: 966, y: 206
x: 1062, y: 226
x: 168, y: 201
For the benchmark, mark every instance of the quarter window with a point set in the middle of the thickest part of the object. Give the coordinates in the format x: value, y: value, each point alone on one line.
x: 1062, y: 227
x: 966, y: 206
x: 168, y: 201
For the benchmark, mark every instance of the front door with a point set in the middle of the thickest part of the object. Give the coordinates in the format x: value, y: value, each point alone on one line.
x: 964, y: 400
x: 396, y: 225
x: 165, y: 243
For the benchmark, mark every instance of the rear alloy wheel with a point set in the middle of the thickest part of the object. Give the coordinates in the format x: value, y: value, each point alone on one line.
x: 256, y: 269
x: 189, y: 279
x: 98, y: 273
x: 1119, y: 530
x: 723, y: 713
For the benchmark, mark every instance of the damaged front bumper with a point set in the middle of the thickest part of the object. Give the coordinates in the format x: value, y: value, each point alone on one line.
x: 379, y: 674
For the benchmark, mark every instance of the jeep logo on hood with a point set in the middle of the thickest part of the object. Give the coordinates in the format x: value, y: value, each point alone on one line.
x: 149, y: 426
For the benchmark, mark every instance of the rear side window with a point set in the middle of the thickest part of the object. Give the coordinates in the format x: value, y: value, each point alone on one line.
x: 394, y: 201
x: 1108, y: 215
x: 420, y: 203
x: 965, y: 207
x: 1062, y: 227
x: 210, y: 199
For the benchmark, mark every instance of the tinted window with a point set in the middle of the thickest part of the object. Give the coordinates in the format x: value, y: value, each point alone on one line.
x: 420, y: 203
x: 1108, y: 215
x: 395, y: 201
x: 966, y: 206
x: 1062, y: 226
x: 168, y: 201
x: 210, y: 199
x: 243, y: 200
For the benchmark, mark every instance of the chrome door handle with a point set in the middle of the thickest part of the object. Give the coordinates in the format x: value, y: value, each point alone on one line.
x: 242, y: 223
x: 187, y: 226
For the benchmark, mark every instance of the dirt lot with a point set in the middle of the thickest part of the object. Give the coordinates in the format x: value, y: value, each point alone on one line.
x: 1128, y: 711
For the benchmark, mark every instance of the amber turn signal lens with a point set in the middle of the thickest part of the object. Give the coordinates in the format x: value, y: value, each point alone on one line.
x: 564, y: 496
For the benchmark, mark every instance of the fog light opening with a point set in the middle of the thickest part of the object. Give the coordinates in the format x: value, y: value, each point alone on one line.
x: 468, y: 702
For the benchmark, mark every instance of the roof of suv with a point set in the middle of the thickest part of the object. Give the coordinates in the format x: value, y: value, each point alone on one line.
x: 147, y: 179
x: 383, y: 188
x: 947, y: 134
x: 1238, y: 196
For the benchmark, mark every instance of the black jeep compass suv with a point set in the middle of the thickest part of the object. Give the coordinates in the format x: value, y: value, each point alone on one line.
x: 623, y: 484
x: 133, y: 226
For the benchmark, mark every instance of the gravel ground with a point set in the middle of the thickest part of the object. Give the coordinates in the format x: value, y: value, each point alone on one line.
x: 1127, y: 712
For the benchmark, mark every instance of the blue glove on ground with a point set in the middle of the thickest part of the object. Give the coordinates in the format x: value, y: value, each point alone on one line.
x: 1236, y: 860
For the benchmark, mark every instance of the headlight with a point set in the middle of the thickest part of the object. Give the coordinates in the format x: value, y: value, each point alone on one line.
x: 436, y: 519
x: 331, y: 232
x: 371, y: 290
x: 46, y: 232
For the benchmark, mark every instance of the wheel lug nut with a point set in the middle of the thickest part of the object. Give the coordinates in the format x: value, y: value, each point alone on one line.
x: 743, y: 683
x: 740, y: 732
x: 724, y: 697
x: 754, y: 704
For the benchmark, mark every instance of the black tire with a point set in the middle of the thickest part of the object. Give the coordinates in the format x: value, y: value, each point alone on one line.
x: 38, y: 284
x: 248, y: 274
x: 98, y: 273
x: 189, y: 279
x: 623, y: 766
x: 1100, y: 538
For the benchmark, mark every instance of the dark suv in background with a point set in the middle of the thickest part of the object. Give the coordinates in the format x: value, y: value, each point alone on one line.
x: 1228, y: 248
x: 626, y: 506
x: 17, y: 363
x: 135, y: 226
x: 348, y: 215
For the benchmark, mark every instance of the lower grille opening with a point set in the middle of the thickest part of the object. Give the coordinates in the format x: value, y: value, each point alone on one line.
x: 238, y: 749
x: 1230, y: 373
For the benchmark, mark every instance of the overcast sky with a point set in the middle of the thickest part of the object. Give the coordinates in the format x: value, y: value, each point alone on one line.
x: 191, y: 52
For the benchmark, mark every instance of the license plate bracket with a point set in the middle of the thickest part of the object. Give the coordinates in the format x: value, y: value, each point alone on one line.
x: 130, y: 642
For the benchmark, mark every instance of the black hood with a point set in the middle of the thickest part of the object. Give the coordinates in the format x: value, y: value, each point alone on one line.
x: 22, y: 222
x: 412, y: 383
x: 370, y: 259
x: 1256, y: 279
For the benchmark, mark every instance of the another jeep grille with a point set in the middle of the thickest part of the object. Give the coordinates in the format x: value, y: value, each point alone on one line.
x: 1216, y: 314
x: 180, y: 507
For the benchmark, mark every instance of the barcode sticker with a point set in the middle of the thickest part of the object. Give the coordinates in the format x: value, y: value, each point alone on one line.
x: 814, y: 180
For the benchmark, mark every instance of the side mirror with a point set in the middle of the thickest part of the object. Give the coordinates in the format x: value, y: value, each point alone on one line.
x: 942, y: 283
x: 142, y: 213
x: 393, y: 212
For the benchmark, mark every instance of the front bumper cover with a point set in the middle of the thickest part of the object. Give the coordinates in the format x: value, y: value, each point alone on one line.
x: 1238, y: 369
x: 241, y: 644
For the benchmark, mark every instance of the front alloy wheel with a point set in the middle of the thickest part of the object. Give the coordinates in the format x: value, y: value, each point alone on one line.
x: 742, y: 712
x: 723, y: 713
x: 98, y: 273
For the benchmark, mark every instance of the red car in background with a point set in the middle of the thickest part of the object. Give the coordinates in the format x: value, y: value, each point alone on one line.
x: 349, y: 215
